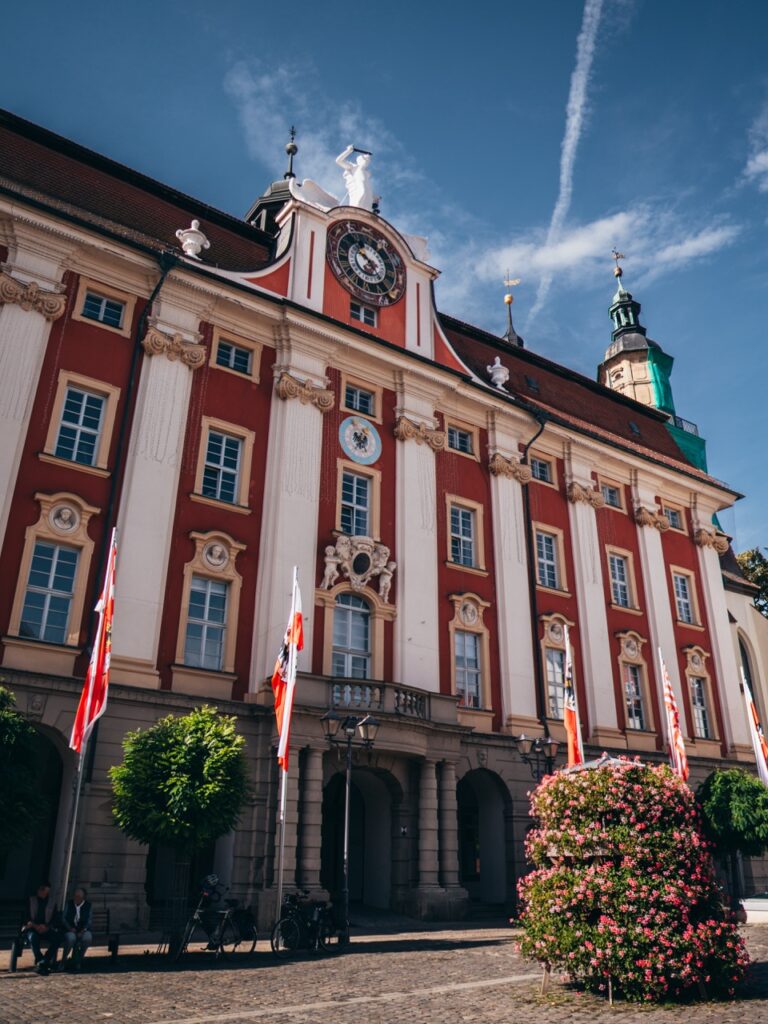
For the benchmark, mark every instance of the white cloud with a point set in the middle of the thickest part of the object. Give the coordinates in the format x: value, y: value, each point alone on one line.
x: 756, y: 170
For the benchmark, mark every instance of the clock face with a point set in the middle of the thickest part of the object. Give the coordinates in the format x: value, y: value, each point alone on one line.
x: 366, y: 263
x: 360, y: 440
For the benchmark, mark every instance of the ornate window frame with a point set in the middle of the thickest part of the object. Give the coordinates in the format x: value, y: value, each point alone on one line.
x: 562, y: 572
x: 467, y: 428
x: 215, y: 559
x: 364, y: 385
x: 477, y: 509
x: 679, y: 570
x: 553, y: 637
x: 606, y: 481
x: 696, y: 668
x: 63, y: 519
x: 89, y: 284
x: 631, y: 653
x: 374, y: 475
x: 111, y: 395
x: 468, y: 611
x: 552, y: 461
x: 380, y: 613
x: 676, y: 507
x: 634, y: 605
x: 248, y: 438
x: 255, y: 348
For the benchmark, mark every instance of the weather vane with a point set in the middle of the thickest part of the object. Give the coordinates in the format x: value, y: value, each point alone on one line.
x: 618, y: 256
x: 511, y: 335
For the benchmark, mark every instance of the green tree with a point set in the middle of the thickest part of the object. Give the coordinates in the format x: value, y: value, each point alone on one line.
x: 754, y: 565
x: 183, y: 783
x: 734, y: 809
x: 20, y: 801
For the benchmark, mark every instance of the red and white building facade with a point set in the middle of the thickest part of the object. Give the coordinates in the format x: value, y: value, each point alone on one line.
x: 290, y: 395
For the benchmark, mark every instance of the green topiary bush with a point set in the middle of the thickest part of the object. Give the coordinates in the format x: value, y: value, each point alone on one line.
x: 624, y: 886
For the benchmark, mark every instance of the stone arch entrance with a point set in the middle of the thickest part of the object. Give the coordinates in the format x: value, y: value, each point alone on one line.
x: 374, y: 798
x: 482, y: 800
x: 36, y: 858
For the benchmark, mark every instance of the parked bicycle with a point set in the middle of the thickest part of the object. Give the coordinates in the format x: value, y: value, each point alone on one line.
x: 227, y: 930
x: 306, y: 924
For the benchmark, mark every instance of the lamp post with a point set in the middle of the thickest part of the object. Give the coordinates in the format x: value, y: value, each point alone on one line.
x: 538, y: 753
x: 339, y: 730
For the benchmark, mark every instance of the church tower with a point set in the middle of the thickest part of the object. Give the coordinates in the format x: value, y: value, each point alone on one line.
x: 639, y: 368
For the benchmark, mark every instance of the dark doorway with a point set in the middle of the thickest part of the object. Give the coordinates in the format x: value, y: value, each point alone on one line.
x: 481, y: 799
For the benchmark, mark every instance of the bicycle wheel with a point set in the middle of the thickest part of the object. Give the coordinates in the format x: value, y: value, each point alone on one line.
x: 186, y: 935
x: 329, y: 938
x: 229, y: 939
x: 14, y: 957
x: 286, y: 937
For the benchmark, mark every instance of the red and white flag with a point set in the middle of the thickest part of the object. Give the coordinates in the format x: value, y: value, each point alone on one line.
x: 284, y: 676
x: 677, y: 755
x: 93, y: 699
x: 571, y: 709
x: 759, y: 744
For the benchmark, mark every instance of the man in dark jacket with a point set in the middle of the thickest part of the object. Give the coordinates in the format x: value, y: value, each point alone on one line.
x: 77, y: 927
x: 41, y: 927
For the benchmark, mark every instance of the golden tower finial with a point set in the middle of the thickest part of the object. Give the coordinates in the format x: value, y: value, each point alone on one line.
x: 618, y: 271
x: 510, y: 282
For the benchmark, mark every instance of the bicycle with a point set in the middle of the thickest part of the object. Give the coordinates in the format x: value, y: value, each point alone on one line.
x: 235, y: 926
x: 305, y: 924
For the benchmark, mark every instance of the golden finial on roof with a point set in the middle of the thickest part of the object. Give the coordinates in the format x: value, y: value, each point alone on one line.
x: 510, y: 282
x: 617, y: 256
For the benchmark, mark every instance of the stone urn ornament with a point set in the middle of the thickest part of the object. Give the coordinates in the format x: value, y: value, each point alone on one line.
x: 193, y: 240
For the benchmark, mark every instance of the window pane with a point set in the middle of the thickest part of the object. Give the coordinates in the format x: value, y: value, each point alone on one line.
x: 556, y: 681
x: 206, y: 619
x: 48, y: 598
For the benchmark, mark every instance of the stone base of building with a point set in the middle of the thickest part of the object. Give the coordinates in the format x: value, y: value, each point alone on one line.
x: 434, y: 903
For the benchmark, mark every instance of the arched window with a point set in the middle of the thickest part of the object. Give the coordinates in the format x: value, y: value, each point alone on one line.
x: 752, y: 683
x: 351, y: 638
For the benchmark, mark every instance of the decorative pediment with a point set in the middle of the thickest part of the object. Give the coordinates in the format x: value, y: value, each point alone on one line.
x: 173, y: 347
x: 32, y: 296
x: 706, y: 538
x: 408, y: 430
x: 650, y: 517
x: 307, y: 393
x: 498, y: 465
x: 358, y: 560
x: 577, y: 492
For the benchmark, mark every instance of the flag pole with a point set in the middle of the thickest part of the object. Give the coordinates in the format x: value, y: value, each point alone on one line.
x: 73, y: 823
x: 284, y: 771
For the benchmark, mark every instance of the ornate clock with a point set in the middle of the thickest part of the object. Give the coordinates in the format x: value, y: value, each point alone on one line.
x: 366, y: 263
x: 360, y: 440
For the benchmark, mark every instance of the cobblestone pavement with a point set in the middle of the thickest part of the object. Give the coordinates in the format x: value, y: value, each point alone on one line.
x: 441, y: 977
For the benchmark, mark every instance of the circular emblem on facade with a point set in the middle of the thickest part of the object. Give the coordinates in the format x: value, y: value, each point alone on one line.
x: 366, y: 263
x: 555, y: 632
x: 64, y: 518
x: 468, y: 613
x: 360, y: 440
x: 696, y: 660
x: 216, y: 555
x: 630, y: 647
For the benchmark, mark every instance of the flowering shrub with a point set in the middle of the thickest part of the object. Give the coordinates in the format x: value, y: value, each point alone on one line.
x: 624, y: 886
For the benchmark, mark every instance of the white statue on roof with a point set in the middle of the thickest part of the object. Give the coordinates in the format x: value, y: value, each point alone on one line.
x: 357, y: 177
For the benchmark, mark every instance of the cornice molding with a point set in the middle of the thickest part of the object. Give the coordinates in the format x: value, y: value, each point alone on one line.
x: 578, y: 492
x: 173, y: 347
x: 32, y: 297
x: 288, y: 386
x: 498, y: 465
x: 706, y: 538
x: 407, y: 430
x: 649, y: 517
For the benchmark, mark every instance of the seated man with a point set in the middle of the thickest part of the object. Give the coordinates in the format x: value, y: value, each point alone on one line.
x: 77, y: 927
x: 41, y: 926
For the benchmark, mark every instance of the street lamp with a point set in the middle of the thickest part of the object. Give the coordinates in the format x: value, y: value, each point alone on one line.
x: 341, y: 729
x: 538, y: 753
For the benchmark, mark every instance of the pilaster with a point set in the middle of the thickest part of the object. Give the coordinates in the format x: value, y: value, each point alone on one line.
x: 428, y: 826
x: 311, y: 820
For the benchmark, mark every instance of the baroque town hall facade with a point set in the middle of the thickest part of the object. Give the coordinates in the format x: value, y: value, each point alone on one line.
x: 240, y: 397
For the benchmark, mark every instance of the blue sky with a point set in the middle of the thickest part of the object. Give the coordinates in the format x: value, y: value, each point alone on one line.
x: 532, y: 136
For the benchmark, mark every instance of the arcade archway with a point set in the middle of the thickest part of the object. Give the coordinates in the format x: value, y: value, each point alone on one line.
x: 482, y: 800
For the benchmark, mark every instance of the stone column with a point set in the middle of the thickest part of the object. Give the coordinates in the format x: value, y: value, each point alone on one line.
x: 508, y: 477
x: 292, y: 490
x: 449, y: 834
x: 589, y: 584
x: 29, y: 291
x: 428, y: 826
x: 311, y: 820
x: 150, y: 487
x: 727, y: 674
x: 417, y: 658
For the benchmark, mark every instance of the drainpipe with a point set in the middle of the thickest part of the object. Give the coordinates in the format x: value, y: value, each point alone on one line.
x: 167, y: 261
x: 538, y: 669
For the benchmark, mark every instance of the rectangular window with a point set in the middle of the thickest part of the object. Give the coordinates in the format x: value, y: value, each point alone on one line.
x: 222, y: 467
x: 612, y: 495
x: 360, y: 400
x: 541, y: 470
x: 206, y: 624
x: 546, y: 560
x: 363, y: 314
x: 675, y: 517
x: 460, y: 440
x: 48, y: 598
x: 701, y: 725
x: 633, y: 691
x: 683, y: 597
x: 355, y: 504
x: 462, y: 535
x: 620, y: 590
x: 81, y: 422
x: 104, y: 310
x: 556, y: 681
x: 234, y: 357
x: 466, y: 652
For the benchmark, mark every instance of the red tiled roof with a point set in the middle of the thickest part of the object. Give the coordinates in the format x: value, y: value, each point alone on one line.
x: 80, y: 183
x: 583, y: 403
